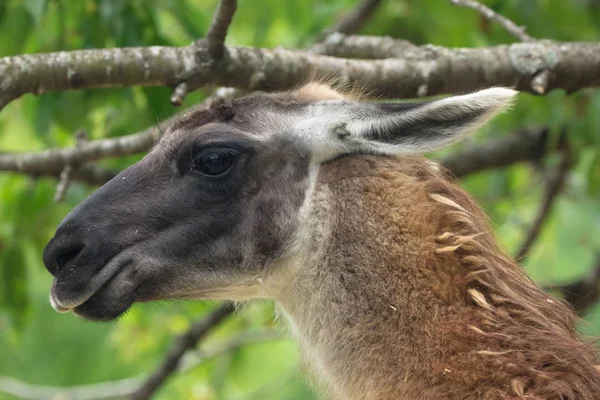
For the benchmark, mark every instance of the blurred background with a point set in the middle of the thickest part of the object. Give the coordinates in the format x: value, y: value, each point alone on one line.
x: 250, y: 355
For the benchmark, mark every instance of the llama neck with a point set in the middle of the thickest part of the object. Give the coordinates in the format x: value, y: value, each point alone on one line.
x: 357, y: 300
x: 395, y: 299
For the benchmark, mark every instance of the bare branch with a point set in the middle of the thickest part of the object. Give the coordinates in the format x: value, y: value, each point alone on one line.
x: 179, y: 94
x: 63, y: 183
x: 526, y: 145
x: 511, y: 27
x: 52, y: 162
x: 355, y: 19
x: 553, y: 187
x: 583, y: 294
x: 219, y: 26
x: 183, y: 343
x: 195, y: 358
x: 427, y: 70
x: 366, y: 47
x: 81, y: 137
x: 99, y: 391
x: 121, y: 388
x: 214, y: 42
x: 540, y: 81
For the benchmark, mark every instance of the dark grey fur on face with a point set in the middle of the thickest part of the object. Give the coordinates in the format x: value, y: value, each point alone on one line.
x: 162, y: 229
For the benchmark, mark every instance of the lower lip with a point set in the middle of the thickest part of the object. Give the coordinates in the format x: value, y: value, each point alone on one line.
x: 57, y: 307
x: 113, y: 267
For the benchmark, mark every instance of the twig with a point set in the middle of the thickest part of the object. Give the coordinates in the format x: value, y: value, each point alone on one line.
x: 214, y: 42
x: 121, y: 388
x: 194, y: 358
x: 554, y: 185
x: 98, y: 391
x: 63, y: 183
x: 350, y: 24
x: 219, y: 26
x: 526, y: 145
x: 81, y: 137
x: 355, y: 19
x: 179, y: 94
x: 582, y: 294
x: 540, y: 80
x: 511, y: 27
x: 52, y: 162
x: 183, y: 343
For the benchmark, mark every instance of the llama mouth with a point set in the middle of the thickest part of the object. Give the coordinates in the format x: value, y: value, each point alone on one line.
x: 66, y: 296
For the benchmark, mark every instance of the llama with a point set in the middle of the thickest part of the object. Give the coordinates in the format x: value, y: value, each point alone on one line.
x: 386, y: 270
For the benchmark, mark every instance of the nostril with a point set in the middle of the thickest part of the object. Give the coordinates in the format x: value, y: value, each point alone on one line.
x: 67, y: 256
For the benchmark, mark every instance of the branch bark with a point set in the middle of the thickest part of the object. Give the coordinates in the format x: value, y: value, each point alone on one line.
x: 539, y: 82
x: 355, y: 19
x: 183, y: 343
x: 511, y: 27
x: 52, y: 162
x: 525, y: 145
x: 121, y: 388
x: 554, y: 184
x: 425, y: 70
x: 219, y: 26
x: 583, y: 294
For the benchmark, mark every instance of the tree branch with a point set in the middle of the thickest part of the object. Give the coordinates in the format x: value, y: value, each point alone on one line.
x: 99, y: 391
x: 183, y: 343
x: 52, y: 162
x: 526, y: 145
x: 583, y: 294
x: 355, y: 19
x: 121, y: 388
x: 366, y: 47
x: 219, y: 26
x: 539, y: 82
x: 511, y: 27
x: 554, y: 185
x: 573, y: 65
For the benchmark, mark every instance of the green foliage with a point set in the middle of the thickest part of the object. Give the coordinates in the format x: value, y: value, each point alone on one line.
x: 40, y: 346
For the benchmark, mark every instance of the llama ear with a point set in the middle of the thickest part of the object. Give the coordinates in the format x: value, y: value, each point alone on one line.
x: 393, y: 128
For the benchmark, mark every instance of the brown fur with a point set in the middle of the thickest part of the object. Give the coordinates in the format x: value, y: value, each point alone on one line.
x: 413, y: 299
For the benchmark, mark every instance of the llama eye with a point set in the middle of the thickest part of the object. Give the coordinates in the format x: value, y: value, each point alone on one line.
x: 214, y: 161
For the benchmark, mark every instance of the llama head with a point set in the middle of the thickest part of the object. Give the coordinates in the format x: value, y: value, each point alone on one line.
x: 222, y: 202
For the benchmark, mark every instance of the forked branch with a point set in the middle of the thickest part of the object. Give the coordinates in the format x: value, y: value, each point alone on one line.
x: 525, y: 145
x: 121, y: 388
x: 355, y: 19
x: 182, y: 344
x: 541, y: 79
x: 219, y: 26
x: 583, y: 294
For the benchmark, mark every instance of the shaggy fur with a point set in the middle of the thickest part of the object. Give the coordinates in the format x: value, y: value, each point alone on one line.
x: 411, y: 298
